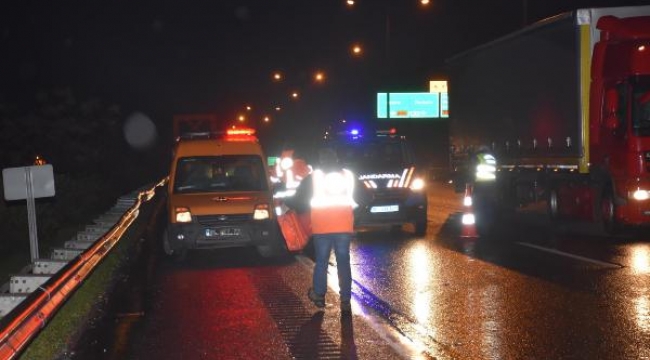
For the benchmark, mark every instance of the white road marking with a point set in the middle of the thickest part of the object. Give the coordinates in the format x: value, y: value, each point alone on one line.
x: 404, y: 346
x: 573, y: 256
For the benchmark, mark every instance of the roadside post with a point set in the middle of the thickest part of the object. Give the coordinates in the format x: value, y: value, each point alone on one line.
x: 29, y: 183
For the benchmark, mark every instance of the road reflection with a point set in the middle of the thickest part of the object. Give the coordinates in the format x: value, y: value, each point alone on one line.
x: 421, y: 271
x: 641, y: 259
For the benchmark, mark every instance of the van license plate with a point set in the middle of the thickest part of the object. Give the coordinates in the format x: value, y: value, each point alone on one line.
x: 223, y: 232
x: 384, y: 209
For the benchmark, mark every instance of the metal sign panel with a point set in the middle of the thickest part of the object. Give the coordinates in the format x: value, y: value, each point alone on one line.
x: 16, y: 180
x: 408, y: 105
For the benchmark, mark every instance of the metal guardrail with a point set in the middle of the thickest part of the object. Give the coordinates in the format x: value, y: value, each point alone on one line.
x: 29, y: 317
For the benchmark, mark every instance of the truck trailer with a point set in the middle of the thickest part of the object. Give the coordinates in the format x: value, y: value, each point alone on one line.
x: 563, y: 105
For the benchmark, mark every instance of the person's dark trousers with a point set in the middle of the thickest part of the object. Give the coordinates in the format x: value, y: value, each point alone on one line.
x: 323, y: 244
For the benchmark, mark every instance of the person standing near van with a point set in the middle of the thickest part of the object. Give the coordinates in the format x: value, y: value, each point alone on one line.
x: 330, y: 190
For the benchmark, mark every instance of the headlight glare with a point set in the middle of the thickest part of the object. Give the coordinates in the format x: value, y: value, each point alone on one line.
x: 640, y: 195
x: 261, y: 212
x: 183, y: 215
x: 417, y: 184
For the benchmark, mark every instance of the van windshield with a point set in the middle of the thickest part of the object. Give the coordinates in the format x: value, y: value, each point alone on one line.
x: 641, y: 107
x: 220, y: 174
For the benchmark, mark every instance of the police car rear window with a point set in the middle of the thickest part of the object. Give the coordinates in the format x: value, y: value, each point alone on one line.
x: 371, y: 152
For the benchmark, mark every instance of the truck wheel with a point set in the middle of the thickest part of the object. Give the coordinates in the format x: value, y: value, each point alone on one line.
x: 608, y: 213
x: 553, y: 204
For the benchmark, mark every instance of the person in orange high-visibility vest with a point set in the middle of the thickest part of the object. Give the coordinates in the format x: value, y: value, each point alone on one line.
x: 331, y: 192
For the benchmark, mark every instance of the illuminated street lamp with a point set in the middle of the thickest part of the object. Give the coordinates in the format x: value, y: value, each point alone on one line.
x: 294, y: 95
x: 356, y: 50
x: 387, y: 28
x: 241, y: 118
x: 277, y: 76
x: 319, y: 77
x: 266, y: 119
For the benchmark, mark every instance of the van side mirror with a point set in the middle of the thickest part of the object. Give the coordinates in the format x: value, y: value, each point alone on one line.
x: 612, y: 121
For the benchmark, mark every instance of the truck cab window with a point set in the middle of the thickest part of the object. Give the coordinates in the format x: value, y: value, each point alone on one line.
x: 616, y: 109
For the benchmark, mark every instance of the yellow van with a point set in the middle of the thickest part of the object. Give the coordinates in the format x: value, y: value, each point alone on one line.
x: 219, y: 196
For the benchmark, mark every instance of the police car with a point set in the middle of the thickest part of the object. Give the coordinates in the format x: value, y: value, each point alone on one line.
x: 387, y: 171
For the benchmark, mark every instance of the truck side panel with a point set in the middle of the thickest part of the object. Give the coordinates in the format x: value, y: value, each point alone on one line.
x: 520, y: 95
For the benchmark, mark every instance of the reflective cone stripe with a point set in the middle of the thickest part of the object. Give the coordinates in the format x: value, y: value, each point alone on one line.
x: 468, y: 229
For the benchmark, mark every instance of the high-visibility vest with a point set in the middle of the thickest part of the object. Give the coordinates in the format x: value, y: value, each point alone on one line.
x: 332, y: 202
x: 486, y: 167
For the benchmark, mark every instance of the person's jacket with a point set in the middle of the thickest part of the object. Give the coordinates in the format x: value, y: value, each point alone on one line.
x: 301, y: 203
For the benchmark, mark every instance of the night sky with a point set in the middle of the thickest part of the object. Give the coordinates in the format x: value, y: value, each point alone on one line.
x: 164, y: 57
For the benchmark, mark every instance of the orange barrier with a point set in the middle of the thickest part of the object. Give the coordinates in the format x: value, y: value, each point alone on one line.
x: 296, y: 229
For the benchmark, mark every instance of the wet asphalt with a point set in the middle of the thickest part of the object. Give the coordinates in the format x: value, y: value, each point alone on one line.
x: 532, y: 290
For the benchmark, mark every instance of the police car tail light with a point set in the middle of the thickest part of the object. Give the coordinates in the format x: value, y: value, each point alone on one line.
x: 261, y: 212
x: 183, y: 215
x: 417, y: 184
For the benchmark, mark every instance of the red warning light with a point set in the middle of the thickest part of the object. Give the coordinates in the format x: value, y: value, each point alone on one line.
x: 240, y: 134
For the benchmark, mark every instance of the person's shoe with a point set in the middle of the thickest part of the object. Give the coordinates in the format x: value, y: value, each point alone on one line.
x: 318, y: 300
x: 346, y: 307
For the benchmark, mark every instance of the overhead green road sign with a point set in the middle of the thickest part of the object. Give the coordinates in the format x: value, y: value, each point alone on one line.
x: 411, y: 105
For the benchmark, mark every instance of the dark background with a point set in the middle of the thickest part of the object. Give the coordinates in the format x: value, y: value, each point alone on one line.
x: 165, y: 57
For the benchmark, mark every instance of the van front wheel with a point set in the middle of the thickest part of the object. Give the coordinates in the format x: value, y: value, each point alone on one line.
x: 174, y: 254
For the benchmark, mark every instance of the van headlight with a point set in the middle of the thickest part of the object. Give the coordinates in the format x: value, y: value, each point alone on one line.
x: 417, y: 184
x: 261, y: 212
x: 183, y: 215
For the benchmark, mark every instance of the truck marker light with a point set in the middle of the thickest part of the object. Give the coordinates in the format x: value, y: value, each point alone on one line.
x: 183, y: 215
